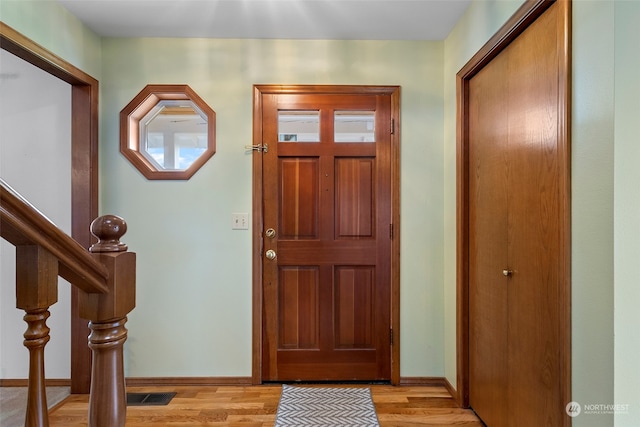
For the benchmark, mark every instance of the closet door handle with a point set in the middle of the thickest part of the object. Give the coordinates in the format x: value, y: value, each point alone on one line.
x: 507, y: 273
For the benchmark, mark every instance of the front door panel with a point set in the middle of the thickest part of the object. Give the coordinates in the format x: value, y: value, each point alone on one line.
x: 327, y: 195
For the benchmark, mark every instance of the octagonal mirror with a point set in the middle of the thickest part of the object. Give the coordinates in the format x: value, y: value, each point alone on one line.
x: 167, y: 132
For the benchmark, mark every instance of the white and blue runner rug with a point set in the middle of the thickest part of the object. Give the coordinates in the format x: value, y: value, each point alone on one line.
x: 326, y: 407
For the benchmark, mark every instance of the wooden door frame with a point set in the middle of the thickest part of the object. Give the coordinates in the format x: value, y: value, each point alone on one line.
x: 257, y: 224
x: 523, y: 17
x: 84, y: 173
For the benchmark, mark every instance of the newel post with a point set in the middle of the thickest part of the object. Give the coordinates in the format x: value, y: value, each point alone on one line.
x: 108, y: 314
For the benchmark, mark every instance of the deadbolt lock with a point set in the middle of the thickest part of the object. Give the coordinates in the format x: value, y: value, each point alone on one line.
x: 270, y: 233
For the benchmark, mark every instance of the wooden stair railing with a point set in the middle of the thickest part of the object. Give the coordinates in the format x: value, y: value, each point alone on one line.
x: 105, y: 276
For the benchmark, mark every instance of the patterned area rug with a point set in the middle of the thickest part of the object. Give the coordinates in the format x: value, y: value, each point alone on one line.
x: 326, y: 407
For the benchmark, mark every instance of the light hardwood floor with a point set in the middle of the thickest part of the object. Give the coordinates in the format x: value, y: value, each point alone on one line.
x: 255, y: 406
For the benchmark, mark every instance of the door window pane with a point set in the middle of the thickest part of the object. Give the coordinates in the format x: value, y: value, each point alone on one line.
x: 298, y: 126
x: 354, y: 126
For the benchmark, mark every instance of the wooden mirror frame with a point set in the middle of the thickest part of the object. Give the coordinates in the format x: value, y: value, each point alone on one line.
x: 139, y: 107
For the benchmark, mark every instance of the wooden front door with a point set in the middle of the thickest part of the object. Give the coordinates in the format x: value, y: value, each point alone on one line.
x: 517, y: 231
x: 326, y: 235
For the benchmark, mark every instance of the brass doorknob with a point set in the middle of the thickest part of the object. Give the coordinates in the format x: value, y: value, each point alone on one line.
x: 270, y: 254
x: 507, y: 272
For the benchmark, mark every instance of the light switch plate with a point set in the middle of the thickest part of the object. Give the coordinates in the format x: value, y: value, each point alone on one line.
x: 240, y: 221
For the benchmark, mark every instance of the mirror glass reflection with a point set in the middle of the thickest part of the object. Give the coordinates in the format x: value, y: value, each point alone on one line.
x: 174, y: 134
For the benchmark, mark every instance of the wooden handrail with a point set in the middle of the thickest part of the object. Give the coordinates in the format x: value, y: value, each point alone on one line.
x: 105, y: 276
x: 22, y: 224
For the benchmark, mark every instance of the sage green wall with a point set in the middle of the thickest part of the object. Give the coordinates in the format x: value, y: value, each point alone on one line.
x: 592, y: 208
x: 627, y: 211
x: 57, y: 30
x: 193, y: 314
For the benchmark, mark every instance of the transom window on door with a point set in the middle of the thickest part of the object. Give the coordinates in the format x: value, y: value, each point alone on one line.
x: 348, y: 126
x: 354, y: 126
x: 299, y: 126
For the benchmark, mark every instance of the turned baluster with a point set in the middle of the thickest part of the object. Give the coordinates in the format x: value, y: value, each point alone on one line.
x: 36, y: 291
x: 108, y: 314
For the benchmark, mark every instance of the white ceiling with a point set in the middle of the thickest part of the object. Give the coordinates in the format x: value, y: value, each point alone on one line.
x: 268, y: 19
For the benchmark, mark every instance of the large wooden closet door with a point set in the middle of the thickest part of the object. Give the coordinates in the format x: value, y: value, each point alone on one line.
x: 488, y: 242
x: 327, y: 263
x: 515, y: 229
